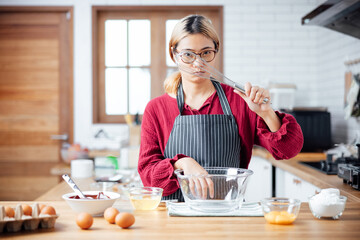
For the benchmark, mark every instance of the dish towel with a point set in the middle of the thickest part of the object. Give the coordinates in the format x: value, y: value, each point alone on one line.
x: 248, y: 209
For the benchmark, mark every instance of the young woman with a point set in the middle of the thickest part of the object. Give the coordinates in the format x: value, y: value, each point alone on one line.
x: 201, y: 123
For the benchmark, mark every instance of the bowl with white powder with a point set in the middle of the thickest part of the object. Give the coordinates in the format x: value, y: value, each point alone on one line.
x: 327, y: 204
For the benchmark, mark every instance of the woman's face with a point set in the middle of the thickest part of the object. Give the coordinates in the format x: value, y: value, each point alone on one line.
x: 195, y: 43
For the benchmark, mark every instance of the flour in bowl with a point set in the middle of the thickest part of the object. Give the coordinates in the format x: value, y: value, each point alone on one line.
x: 328, y: 203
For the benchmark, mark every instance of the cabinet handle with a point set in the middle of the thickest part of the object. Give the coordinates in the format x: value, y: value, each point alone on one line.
x: 296, y: 181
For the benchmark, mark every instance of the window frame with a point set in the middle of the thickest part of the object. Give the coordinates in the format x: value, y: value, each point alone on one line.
x: 158, y: 16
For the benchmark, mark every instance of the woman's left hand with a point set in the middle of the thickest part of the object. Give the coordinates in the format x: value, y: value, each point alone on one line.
x: 254, y: 97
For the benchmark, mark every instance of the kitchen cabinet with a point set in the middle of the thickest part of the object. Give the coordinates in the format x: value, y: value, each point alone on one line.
x: 260, y: 183
x: 289, y: 185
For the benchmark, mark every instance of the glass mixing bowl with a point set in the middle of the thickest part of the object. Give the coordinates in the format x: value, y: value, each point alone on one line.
x: 221, y: 190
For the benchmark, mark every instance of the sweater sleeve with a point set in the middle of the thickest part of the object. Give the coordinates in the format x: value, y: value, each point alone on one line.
x: 153, y: 168
x: 285, y: 143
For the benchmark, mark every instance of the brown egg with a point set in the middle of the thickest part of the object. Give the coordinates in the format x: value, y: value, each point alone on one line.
x: 41, y: 206
x: 9, y: 211
x: 84, y: 220
x: 125, y: 220
x: 48, y: 210
x: 110, y: 214
x: 27, y: 209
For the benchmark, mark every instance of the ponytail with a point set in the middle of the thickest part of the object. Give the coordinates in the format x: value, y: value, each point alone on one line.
x: 172, y: 82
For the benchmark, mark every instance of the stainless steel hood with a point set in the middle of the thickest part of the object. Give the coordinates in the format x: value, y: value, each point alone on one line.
x: 339, y: 15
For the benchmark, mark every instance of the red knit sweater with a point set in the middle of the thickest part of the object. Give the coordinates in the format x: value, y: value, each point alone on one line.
x: 158, y: 120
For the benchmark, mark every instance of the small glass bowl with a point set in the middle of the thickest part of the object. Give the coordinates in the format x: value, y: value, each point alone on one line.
x: 145, y: 198
x: 323, y: 210
x: 280, y: 210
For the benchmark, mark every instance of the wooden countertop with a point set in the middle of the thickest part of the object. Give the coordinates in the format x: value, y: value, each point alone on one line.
x: 158, y: 225
x: 310, y: 175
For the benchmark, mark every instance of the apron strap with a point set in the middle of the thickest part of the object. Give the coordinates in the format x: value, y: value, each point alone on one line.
x: 222, y: 97
x: 180, y: 98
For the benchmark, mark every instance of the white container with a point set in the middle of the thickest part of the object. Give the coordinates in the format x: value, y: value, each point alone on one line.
x: 95, y: 207
x: 328, y: 203
x: 282, y: 96
x: 82, y: 168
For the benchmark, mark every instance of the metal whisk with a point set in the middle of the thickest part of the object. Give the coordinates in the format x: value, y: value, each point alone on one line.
x: 201, y: 68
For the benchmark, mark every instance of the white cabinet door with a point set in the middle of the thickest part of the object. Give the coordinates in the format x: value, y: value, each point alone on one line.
x: 288, y: 185
x: 260, y: 183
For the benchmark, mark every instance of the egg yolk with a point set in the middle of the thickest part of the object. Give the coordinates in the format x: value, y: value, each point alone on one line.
x: 283, y: 217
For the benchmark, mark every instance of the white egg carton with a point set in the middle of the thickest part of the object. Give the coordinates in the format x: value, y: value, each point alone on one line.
x: 24, y: 222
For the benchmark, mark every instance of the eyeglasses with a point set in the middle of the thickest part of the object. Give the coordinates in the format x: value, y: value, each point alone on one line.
x: 189, y: 56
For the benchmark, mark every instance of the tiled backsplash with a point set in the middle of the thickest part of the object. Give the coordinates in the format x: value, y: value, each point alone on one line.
x: 263, y: 41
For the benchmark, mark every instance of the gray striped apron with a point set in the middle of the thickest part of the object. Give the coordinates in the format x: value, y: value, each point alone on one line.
x: 212, y: 140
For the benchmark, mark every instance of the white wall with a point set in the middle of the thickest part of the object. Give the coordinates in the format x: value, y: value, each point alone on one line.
x: 333, y: 49
x: 263, y: 41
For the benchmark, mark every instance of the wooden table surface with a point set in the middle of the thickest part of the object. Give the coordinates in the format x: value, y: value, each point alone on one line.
x: 157, y: 225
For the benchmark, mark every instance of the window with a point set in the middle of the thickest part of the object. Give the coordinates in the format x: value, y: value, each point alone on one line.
x: 130, y: 58
x: 127, y: 66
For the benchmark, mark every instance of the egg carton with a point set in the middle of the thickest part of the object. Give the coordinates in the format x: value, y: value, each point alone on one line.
x: 23, y: 222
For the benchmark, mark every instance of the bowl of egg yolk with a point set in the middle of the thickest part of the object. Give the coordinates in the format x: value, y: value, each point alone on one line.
x: 280, y: 210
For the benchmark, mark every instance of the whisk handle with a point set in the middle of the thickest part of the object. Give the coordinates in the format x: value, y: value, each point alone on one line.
x: 241, y: 89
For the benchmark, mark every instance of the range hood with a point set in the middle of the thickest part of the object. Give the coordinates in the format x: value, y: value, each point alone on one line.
x: 338, y: 15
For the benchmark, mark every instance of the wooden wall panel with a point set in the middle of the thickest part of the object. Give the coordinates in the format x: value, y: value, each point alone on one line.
x: 31, y: 153
x: 29, y: 123
x: 32, y: 18
x: 26, y: 138
x: 36, y: 97
x: 34, y: 107
x: 25, y: 188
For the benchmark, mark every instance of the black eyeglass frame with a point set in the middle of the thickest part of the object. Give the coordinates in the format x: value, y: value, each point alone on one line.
x: 195, y: 54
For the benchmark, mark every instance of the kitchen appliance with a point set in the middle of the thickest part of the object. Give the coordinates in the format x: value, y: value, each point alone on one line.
x: 316, y: 127
x: 282, y: 95
x: 347, y: 168
x: 338, y: 15
x: 350, y: 172
x: 330, y: 165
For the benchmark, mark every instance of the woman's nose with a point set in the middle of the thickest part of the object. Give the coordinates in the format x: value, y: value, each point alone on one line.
x: 198, y: 62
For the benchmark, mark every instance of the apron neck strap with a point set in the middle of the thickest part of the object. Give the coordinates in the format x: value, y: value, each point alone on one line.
x: 222, y: 97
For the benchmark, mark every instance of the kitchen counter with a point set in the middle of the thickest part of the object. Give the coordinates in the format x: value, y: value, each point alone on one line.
x: 310, y: 175
x: 158, y: 225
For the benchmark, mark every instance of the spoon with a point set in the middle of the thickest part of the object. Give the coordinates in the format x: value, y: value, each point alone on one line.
x: 73, y: 186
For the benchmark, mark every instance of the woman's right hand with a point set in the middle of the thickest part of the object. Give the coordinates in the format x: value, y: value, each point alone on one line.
x: 202, y: 184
